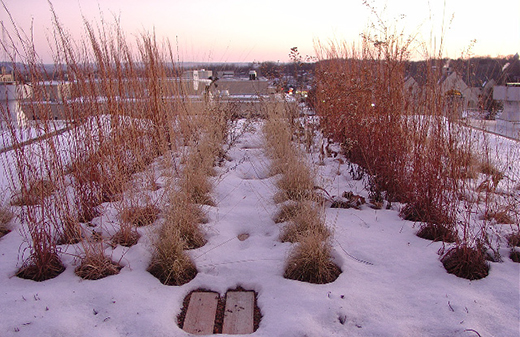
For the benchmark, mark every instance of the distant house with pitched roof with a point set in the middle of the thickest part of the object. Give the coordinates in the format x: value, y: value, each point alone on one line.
x: 411, y: 86
x: 452, y: 84
x: 459, y: 96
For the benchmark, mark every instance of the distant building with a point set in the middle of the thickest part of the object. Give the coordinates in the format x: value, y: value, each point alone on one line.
x: 411, y: 87
x: 510, y: 96
x: 486, y: 100
x: 243, y: 86
x: 191, y: 75
x: 205, y: 74
x: 226, y: 74
x: 10, y: 89
x: 196, y: 75
x: 6, y: 77
x: 452, y: 83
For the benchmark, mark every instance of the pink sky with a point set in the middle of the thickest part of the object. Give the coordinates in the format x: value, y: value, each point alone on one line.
x: 246, y: 31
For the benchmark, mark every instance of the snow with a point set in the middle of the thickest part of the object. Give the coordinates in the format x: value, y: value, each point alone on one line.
x: 9, y: 133
x: 392, y: 283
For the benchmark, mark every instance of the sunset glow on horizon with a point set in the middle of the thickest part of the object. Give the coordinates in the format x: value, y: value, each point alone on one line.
x: 249, y: 31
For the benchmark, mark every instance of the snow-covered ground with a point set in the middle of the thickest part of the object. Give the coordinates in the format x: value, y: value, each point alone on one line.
x: 31, y: 130
x: 392, y: 283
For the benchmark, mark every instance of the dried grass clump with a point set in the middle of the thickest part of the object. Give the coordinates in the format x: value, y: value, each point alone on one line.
x: 311, y: 261
x: 199, y: 165
x: 43, y: 261
x: 204, y: 131
x: 425, y: 212
x: 514, y: 239
x: 186, y: 217
x: 208, y: 149
x: 4, y: 230
x: 488, y: 168
x: 278, y: 138
x: 288, y: 211
x: 296, y: 182
x: 195, y: 183
x: 308, y: 221
x: 126, y: 236
x: 34, y: 193
x: 515, y: 256
x: 466, y: 262
x: 170, y: 263
x: 86, y: 185
x: 140, y: 215
x: 436, y: 225
x: 466, y: 164
x: 499, y: 216
x: 92, y: 184
x: 6, y: 215
x: 71, y: 232
x: 87, y: 212
x: 41, y: 268
x: 95, y: 265
x: 437, y: 232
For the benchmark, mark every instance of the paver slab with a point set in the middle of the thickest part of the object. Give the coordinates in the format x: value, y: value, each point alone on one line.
x: 200, y: 316
x: 238, y: 315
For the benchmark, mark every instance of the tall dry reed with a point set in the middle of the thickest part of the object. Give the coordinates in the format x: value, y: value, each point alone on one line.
x: 120, y: 108
x: 412, y: 144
